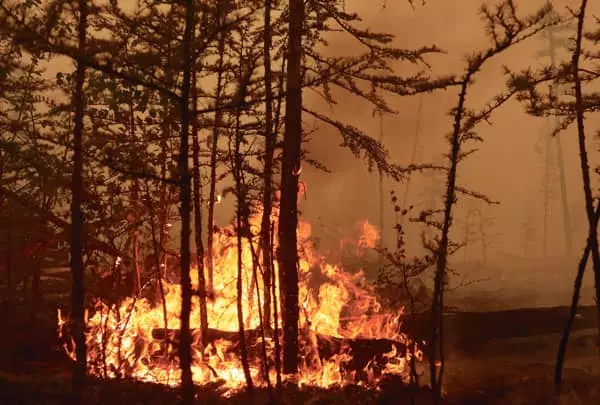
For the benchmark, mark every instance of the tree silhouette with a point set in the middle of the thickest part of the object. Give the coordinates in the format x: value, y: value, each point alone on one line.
x: 77, y: 267
x: 504, y: 28
x: 570, y: 108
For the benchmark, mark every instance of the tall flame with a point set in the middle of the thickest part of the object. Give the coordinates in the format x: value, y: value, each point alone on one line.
x: 332, y: 303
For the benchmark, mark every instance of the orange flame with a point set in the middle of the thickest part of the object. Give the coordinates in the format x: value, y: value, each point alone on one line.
x: 120, y: 341
x: 369, y: 235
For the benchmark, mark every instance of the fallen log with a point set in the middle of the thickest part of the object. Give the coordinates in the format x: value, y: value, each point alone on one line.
x: 468, y: 330
x: 172, y: 335
x: 362, y: 351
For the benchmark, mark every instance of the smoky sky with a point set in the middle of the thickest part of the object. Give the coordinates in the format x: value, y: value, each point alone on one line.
x: 509, y: 165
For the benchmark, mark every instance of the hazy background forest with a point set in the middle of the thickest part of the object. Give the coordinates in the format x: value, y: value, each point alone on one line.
x: 509, y: 166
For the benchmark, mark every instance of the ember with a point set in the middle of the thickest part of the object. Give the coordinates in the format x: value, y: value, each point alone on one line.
x: 132, y: 339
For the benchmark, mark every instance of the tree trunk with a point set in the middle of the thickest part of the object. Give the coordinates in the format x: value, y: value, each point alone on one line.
x: 483, y: 237
x: 437, y: 306
x: 136, y: 250
x: 77, y: 270
x: 213, y: 162
x: 9, y: 262
x: 198, y: 215
x: 585, y: 169
x: 156, y: 263
x: 164, y: 201
x: 242, y: 212
x: 288, y: 217
x: 239, y: 302
x: 275, y: 313
x: 270, y: 137
x: 467, y: 232
x: 163, y: 216
x: 185, y: 353
x: 564, y: 342
x: 259, y: 306
x: 135, y: 193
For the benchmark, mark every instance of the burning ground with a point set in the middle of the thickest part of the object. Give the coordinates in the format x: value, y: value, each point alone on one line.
x: 347, y: 337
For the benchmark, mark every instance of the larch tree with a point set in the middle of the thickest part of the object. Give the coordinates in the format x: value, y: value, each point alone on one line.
x: 185, y: 351
x: 290, y: 170
x: 77, y: 268
x: 580, y: 73
x: 583, y: 153
x: 220, y: 14
x: 504, y: 28
x: 270, y: 139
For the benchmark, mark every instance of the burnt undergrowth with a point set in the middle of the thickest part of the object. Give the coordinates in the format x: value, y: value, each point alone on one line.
x: 504, y: 370
x: 33, y: 389
x: 498, y: 380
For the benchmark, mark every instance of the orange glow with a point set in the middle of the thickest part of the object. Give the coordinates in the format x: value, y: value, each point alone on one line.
x: 369, y: 235
x: 120, y: 340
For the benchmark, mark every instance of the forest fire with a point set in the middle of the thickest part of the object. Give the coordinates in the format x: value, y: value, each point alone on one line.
x: 340, y: 315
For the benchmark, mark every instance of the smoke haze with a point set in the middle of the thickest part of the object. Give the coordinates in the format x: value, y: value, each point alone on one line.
x: 509, y: 166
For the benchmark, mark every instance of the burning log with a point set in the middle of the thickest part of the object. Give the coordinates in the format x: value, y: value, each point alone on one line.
x: 363, y: 352
x: 172, y: 335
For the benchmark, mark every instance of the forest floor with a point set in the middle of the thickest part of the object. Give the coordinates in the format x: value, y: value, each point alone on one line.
x: 507, y: 371
x: 501, y: 380
x: 521, y: 371
x: 480, y: 370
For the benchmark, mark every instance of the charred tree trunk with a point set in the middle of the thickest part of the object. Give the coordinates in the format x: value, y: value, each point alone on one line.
x: 275, y: 312
x: 592, y: 242
x: 270, y: 137
x: 8, y: 257
x: 290, y: 168
x: 155, y: 247
x: 437, y: 307
x: 585, y: 169
x: 185, y: 353
x: 77, y: 269
x: 164, y: 201
x: 137, y: 268
x: 259, y: 306
x: 240, y: 313
x: 164, y: 191
x: 251, y: 285
x: 213, y: 162
x: 135, y: 195
x: 564, y: 342
x: 242, y: 211
x: 198, y: 215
